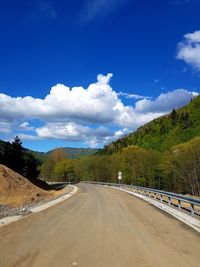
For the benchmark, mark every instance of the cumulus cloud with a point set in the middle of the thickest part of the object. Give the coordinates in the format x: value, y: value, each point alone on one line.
x: 189, y: 49
x: 63, y: 103
x: 74, y: 132
x: 94, y: 115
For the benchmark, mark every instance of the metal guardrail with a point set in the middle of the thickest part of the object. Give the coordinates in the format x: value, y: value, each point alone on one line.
x: 157, y: 194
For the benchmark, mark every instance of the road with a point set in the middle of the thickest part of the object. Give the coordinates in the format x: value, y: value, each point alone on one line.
x: 96, y: 227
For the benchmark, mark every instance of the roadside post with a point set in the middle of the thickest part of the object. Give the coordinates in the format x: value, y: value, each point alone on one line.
x: 119, y: 176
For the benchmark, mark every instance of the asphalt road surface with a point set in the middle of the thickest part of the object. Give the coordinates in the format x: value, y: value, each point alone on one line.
x: 96, y: 227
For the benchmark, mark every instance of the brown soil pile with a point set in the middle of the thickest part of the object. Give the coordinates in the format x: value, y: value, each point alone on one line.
x: 16, y: 190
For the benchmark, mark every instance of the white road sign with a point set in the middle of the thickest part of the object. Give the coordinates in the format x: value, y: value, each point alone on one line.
x: 119, y: 175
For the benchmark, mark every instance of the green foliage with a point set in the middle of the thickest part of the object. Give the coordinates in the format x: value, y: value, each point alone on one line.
x: 48, y: 167
x: 14, y: 156
x: 138, y: 166
x: 163, y: 133
x: 181, y: 166
x: 65, y: 170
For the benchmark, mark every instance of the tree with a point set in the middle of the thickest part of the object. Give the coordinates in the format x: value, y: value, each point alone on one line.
x: 57, y: 155
x: 173, y: 117
x: 31, y: 170
x: 48, y: 167
x: 46, y: 170
x: 15, y: 156
x: 182, y: 164
x: 133, y: 157
x: 65, y: 170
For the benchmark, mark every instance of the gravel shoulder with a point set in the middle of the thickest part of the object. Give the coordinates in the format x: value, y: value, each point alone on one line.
x: 21, y: 208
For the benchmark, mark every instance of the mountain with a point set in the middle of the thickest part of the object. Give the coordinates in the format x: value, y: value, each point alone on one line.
x: 73, y: 153
x: 164, y: 132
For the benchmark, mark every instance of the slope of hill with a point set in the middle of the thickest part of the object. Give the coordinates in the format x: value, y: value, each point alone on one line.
x: 162, y: 133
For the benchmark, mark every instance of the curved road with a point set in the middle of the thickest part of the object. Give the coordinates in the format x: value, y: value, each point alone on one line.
x: 99, y: 227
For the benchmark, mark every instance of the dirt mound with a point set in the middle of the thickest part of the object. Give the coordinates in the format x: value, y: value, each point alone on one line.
x: 13, y: 183
x: 16, y: 190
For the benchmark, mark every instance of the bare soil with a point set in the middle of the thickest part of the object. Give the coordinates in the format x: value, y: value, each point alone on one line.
x: 17, y: 192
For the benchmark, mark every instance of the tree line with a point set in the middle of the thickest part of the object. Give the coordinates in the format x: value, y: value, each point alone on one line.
x: 176, y: 170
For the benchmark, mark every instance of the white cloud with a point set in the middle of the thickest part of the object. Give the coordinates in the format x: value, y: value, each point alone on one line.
x: 165, y: 102
x: 134, y: 96
x: 25, y: 126
x: 68, y: 131
x: 94, y: 104
x: 74, y: 132
x: 87, y: 115
x: 189, y: 49
x: 28, y: 137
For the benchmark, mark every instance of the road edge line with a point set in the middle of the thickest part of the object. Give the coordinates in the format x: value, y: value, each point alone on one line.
x: 10, y: 219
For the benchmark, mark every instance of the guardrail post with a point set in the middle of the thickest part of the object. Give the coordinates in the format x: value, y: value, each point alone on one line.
x: 154, y: 195
x: 161, y: 198
x: 192, y: 209
x: 179, y: 204
x: 169, y: 201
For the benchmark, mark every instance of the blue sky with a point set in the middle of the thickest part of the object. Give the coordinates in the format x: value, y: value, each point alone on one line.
x: 49, y: 48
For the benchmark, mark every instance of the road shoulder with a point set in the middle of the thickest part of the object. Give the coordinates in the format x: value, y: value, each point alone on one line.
x: 10, y: 219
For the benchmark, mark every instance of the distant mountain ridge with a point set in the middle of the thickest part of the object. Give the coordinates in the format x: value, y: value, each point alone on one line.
x: 164, y: 132
x: 71, y: 153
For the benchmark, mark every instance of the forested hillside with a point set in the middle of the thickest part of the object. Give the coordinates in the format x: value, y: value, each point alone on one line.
x: 73, y: 153
x: 162, y: 133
